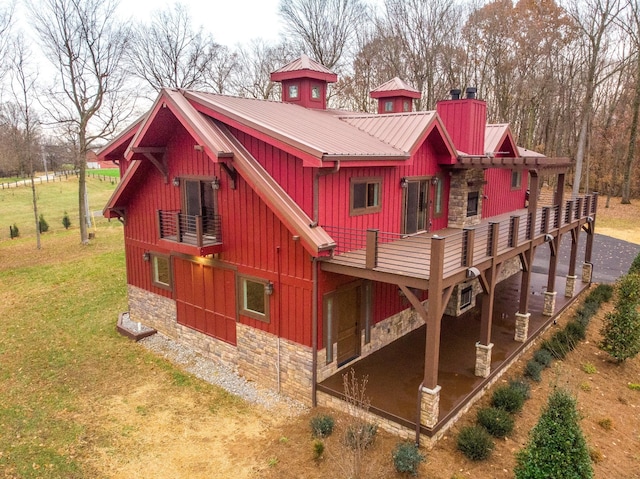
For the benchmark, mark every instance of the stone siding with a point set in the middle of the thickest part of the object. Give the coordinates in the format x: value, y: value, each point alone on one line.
x: 460, y: 188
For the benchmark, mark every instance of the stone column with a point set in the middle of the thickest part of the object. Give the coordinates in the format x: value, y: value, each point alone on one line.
x: 522, y: 327
x: 587, y: 272
x: 483, y: 359
x: 430, y: 406
x: 570, y: 288
x: 549, y: 303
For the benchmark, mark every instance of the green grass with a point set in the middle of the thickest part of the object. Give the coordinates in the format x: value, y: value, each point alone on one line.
x: 112, y: 172
x: 16, y: 204
x: 61, y: 359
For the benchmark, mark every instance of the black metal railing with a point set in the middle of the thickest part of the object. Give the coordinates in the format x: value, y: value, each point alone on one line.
x: 198, y: 230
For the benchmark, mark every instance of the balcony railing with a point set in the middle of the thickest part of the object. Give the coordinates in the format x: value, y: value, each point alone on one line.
x: 200, y: 230
x: 411, y: 254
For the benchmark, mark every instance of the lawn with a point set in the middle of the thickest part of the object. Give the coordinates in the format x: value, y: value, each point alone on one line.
x: 77, y: 400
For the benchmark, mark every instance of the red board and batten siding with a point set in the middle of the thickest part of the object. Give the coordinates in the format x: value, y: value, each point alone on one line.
x: 255, y: 241
x: 500, y: 198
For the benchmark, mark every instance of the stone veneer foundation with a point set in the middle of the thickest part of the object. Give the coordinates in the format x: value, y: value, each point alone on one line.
x: 570, y: 287
x: 462, y: 183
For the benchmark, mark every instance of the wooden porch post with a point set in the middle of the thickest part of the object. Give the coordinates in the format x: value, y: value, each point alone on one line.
x: 488, y: 281
x: 570, y: 286
x: 522, y: 316
x: 430, y: 391
x: 587, y: 267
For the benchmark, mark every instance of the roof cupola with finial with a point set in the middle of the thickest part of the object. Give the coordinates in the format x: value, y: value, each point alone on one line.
x: 304, y: 82
x: 395, y: 96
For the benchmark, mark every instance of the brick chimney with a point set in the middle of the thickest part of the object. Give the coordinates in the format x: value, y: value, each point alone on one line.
x: 465, y: 120
x: 304, y: 82
x: 395, y: 96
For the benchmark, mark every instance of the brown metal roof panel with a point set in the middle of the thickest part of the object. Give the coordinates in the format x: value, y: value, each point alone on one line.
x: 493, y: 135
x: 313, y: 132
x: 303, y: 63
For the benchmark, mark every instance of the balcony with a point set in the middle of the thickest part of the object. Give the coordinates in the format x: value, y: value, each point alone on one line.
x: 374, y: 254
x: 197, y: 235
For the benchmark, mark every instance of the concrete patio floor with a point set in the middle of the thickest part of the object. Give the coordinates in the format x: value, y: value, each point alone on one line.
x: 393, y: 391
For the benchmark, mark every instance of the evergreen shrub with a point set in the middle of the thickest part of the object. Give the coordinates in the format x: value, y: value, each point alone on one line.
x: 521, y: 385
x: 533, y: 370
x: 498, y: 422
x: 66, y: 221
x: 322, y: 425
x: 508, y: 398
x: 43, y: 226
x: 475, y: 443
x: 407, y: 458
x: 544, y: 357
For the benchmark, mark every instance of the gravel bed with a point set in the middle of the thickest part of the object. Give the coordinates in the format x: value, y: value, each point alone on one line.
x: 221, y: 375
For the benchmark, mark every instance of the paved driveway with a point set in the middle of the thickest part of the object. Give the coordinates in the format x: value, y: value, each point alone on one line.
x: 611, y: 257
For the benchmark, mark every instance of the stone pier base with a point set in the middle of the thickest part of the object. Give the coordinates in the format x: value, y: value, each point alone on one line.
x: 430, y: 406
x: 483, y: 360
x: 587, y: 272
x: 522, y: 327
x: 549, y: 307
x: 570, y: 288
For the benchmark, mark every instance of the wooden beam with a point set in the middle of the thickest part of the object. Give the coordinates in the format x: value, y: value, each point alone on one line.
x: 575, y: 232
x: 150, y: 154
x: 434, y: 317
x: 371, y: 258
x: 231, y: 173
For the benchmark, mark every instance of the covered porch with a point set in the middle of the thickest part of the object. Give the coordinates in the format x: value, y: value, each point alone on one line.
x: 396, y: 371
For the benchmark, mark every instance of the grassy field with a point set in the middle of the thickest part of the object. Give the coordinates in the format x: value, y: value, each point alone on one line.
x: 54, y: 199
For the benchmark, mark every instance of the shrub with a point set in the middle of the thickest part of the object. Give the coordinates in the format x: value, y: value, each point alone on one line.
x: 66, y: 221
x: 13, y: 231
x: 544, y: 357
x: 43, y: 226
x: 318, y: 449
x: 407, y: 458
x: 360, y: 435
x: 497, y: 422
x: 589, y: 368
x: 533, y: 370
x: 557, y: 349
x: 475, y: 443
x: 634, y: 386
x: 621, y: 330
x: 576, y: 330
x: 635, y: 265
x: 322, y: 425
x: 507, y: 398
x: 606, y: 424
x: 521, y: 385
x: 556, y: 447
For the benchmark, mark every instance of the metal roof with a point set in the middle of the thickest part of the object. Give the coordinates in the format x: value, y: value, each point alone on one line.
x: 400, y: 130
x: 493, y: 136
x: 304, y: 63
x: 395, y: 86
x: 321, y: 135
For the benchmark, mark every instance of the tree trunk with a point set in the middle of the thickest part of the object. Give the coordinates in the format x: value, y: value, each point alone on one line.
x: 633, y: 135
x: 82, y: 196
x: 35, y: 207
x: 580, y: 153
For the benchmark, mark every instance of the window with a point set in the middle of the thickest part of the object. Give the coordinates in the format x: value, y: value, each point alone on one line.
x: 437, y: 202
x: 254, y: 301
x: 466, y: 295
x: 161, y: 271
x: 293, y: 91
x: 472, y: 203
x: 405, y: 105
x: 365, y: 195
x: 315, y: 92
x: 388, y: 106
x: 516, y: 179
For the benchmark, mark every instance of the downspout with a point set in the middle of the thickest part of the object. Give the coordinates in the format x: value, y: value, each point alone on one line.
x: 314, y: 330
x: 279, y: 293
x: 316, y: 188
x: 418, y: 418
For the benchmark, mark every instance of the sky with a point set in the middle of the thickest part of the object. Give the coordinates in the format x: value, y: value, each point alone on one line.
x: 229, y: 21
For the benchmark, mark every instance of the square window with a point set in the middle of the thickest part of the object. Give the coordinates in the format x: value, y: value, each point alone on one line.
x: 388, y: 106
x: 293, y: 91
x: 161, y: 271
x: 405, y: 105
x: 472, y: 203
x: 254, y: 300
x: 516, y: 179
x: 365, y: 195
x: 315, y: 92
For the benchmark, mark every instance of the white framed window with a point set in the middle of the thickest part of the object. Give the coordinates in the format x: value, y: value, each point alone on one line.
x: 254, y: 298
x: 161, y: 273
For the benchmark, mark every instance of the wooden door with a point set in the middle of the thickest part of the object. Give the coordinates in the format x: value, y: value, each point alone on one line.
x: 416, y: 201
x: 347, y: 314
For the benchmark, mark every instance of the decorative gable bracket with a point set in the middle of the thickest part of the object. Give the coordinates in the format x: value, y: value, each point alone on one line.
x: 150, y: 154
x: 232, y: 173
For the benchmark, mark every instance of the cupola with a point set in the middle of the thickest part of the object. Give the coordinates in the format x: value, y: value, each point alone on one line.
x: 304, y: 82
x: 465, y: 120
x: 395, y: 96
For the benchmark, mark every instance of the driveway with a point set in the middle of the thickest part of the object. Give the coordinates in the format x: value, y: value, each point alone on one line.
x: 611, y: 257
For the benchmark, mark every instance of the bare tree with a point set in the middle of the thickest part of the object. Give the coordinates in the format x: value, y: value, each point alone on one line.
x: 169, y: 53
x: 632, y: 27
x: 325, y: 27
x: 6, y: 21
x: 595, y: 19
x: 23, y: 86
x: 87, y: 47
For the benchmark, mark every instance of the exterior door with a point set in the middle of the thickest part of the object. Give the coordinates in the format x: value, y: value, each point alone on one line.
x: 199, y: 200
x: 347, y: 314
x: 416, y: 201
x: 206, y: 299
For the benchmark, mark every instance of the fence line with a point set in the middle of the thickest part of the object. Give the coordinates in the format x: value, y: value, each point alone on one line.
x: 56, y: 176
